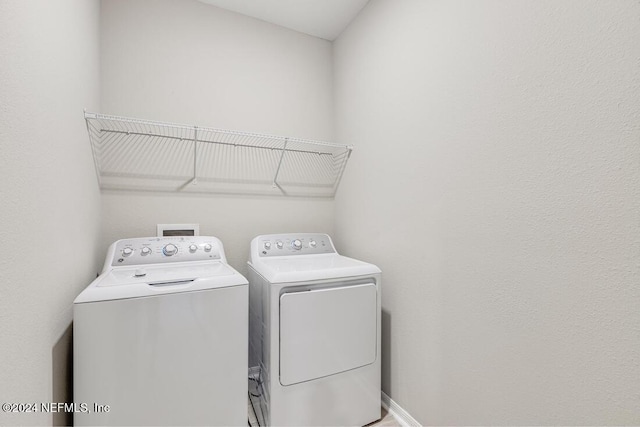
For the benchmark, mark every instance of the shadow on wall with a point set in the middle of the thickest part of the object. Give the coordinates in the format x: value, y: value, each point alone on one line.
x: 62, y: 375
x: 386, y: 352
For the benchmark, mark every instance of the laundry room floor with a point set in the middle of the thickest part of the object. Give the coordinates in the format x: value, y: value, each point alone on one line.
x: 387, y: 419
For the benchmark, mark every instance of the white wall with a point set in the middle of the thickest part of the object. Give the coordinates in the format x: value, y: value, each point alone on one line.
x: 187, y: 62
x: 496, y: 180
x: 50, y: 199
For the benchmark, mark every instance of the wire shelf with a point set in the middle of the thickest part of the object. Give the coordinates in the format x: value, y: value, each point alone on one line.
x: 143, y: 155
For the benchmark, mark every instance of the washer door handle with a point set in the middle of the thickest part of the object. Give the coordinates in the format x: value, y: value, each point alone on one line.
x: 173, y: 283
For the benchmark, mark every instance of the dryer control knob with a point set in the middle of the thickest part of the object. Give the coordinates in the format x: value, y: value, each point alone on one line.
x: 312, y: 243
x: 296, y: 244
x: 279, y: 244
x: 267, y: 245
x: 193, y: 248
x: 207, y: 247
x: 145, y: 251
x: 127, y: 251
x: 170, y: 249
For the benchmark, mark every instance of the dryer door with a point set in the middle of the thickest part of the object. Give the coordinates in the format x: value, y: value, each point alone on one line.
x: 327, y: 331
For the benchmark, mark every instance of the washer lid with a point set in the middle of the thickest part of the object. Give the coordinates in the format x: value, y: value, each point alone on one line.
x: 164, y: 273
x: 302, y: 268
x: 153, y: 280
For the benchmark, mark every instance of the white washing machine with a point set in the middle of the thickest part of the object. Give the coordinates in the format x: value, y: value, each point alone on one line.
x: 314, y: 327
x: 160, y: 337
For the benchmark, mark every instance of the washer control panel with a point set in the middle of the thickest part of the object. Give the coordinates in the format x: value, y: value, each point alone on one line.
x: 293, y: 244
x: 156, y: 250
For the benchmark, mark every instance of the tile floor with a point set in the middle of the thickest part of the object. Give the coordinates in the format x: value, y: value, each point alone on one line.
x: 387, y: 420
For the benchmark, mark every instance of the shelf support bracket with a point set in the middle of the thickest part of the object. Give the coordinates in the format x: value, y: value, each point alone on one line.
x: 275, y: 178
x: 193, y: 180
x: 195, y: 155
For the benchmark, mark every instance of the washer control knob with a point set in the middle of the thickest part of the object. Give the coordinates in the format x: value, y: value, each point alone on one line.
x: 170, y: 249
x: 208, y: 247
x: 312, y: 243
x: 193, y: 248
x: 296, y: 244
x: 267, y: 245
x: 145, y: 251
x: 279, y: 244
x: 127, y: 251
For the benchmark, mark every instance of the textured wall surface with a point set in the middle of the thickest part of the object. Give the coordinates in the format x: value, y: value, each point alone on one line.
x: 187, y: 62
x: 50, y: 199
x: 496, y: 181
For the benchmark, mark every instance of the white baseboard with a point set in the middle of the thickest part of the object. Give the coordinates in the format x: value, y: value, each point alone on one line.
x: 398, y: 412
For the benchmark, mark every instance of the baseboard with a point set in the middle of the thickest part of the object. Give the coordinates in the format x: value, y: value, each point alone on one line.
x: 398, y: 412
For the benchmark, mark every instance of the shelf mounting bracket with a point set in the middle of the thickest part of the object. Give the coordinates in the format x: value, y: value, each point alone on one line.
x: 193, y: 180
x: 275, y: 178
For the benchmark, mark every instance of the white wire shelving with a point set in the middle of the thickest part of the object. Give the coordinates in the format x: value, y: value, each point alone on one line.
x: 143, y: 155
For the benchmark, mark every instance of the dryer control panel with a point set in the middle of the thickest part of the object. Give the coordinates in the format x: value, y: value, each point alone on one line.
x: 158, y: 250
x: 292, y: 244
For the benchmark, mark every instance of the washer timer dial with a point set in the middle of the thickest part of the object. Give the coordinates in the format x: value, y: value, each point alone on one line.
x: 170, y: 249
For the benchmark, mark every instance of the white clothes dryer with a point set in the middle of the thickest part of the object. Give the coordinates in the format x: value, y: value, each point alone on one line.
x: 314, y: 327
x: 160, y: 337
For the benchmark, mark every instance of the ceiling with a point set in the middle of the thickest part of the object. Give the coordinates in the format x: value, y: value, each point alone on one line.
x: 320, y: 18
